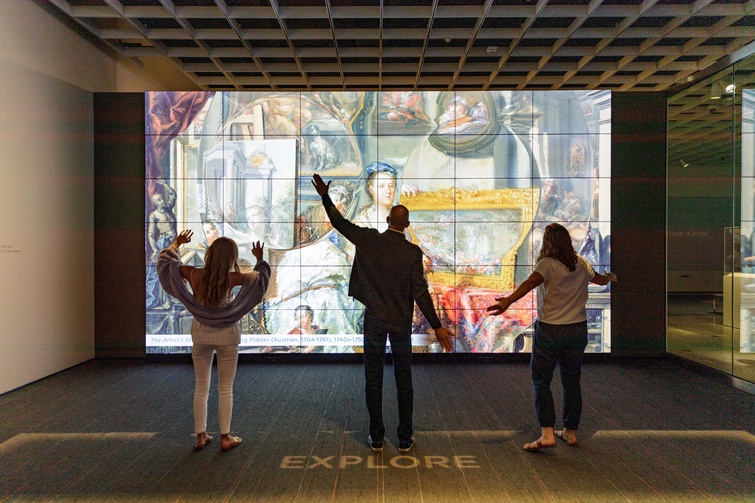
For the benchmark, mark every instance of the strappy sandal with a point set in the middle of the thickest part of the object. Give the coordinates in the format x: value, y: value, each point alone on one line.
x: 537, y: 445
x: 560, y: 434
x: 207, y: 440
x: 234, y: 442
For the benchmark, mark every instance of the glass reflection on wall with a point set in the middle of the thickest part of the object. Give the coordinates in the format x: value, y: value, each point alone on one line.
x: 711, y: 222
x: 744, y: 338
x: 700, y: 226
x: 482, y: 173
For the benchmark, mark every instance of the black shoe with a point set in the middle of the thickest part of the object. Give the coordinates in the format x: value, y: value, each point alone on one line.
x: 406, y: 446
x: 375, y: 445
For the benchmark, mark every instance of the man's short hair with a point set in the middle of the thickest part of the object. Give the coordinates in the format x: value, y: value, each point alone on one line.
x: 399, y: 215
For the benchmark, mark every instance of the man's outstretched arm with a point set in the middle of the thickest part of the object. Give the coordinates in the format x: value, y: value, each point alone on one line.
x: 349, y: 230
x: 425, y: 303
x: 444, y: 336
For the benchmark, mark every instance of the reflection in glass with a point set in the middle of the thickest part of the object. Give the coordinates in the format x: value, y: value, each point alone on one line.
x: 744, y: 338
x: 711, y: 292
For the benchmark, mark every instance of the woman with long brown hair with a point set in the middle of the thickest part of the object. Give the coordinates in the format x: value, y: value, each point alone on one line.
x: 561, y: 278
x: 215, y: 327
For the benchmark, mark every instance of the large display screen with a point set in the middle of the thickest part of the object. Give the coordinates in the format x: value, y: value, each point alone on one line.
x: 482, y: 174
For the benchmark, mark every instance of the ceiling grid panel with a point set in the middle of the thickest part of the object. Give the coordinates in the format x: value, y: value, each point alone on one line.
x: 305, y: 45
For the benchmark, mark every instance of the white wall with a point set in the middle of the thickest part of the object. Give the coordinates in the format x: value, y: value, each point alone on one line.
x: 48, y: 72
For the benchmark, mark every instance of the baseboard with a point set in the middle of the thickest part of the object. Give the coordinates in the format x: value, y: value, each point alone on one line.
x: 723, y: 377
x: 743, y: 385
x: 418, y: 358
x: 638, y: 353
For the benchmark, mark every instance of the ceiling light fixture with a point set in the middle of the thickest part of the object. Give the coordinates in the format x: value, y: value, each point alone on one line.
x: 721, y: 90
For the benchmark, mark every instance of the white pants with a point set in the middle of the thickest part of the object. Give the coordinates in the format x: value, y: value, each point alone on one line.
x: 228, y: 357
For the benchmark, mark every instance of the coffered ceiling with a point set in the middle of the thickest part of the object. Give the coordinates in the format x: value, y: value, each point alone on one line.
x: 302, y: 45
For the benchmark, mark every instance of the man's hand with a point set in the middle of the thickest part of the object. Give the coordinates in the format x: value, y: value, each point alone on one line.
x: 444, y: 337
x: 611, y: 276
x: 257, y: 249
x: 320, y: 186
x: 184, y: 237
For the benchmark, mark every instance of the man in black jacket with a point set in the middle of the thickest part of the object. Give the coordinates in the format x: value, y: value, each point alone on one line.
x: 388, y: 278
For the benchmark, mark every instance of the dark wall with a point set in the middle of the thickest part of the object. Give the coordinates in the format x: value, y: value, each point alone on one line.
x: 638, y: 223
x: 638, y: 185
x: 119, y: 267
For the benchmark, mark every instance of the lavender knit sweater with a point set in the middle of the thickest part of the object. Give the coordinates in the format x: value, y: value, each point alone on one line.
x: 251, y: 293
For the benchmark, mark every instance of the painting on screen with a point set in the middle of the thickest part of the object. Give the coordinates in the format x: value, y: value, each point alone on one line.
x: 482, y: 174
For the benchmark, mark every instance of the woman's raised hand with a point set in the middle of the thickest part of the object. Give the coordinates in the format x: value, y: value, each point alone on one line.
x: 257, y: 249
x: 184, y: 237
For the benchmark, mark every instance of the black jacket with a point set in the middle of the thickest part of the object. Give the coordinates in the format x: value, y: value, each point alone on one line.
x: 387, y: 275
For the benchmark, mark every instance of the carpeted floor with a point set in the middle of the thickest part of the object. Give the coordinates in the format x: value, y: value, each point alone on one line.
x: 120, y: 430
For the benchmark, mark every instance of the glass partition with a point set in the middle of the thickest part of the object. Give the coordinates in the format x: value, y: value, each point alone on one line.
x: 743, y: 142
x: 711, y: 222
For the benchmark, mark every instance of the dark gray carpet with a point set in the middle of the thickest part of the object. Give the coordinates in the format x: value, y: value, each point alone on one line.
x: 113, y: 430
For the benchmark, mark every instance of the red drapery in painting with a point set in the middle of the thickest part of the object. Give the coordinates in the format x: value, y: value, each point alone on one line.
x: 167, y: 114
x: 481, y: 332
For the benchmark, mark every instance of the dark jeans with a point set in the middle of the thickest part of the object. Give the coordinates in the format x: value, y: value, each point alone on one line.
x: 563, y: 345
x: 376, y: 333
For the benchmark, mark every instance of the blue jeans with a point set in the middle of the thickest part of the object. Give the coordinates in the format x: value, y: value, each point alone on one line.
x: 376, y: 333
x: 562, y: 345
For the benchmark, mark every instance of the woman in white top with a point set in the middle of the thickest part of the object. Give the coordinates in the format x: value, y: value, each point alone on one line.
x: 561, y: 278
x: 212, y: 288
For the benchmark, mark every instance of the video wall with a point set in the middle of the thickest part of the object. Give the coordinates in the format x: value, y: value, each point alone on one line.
x: 482, y: 174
